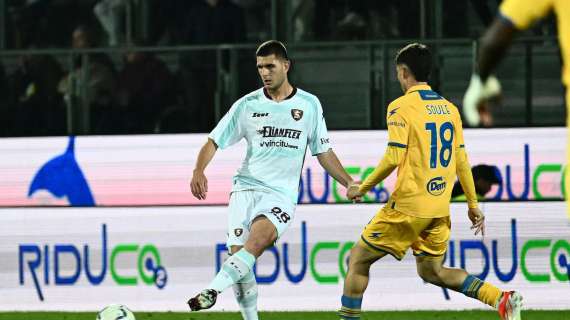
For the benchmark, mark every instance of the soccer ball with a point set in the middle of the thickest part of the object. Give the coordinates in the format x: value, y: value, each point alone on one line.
x: 115, y: 312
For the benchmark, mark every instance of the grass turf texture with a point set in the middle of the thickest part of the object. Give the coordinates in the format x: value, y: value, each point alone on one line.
x: 404, y: 315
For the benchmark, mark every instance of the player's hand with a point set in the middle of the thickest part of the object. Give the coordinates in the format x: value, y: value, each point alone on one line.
x: 199, y: 185
x: 353, y: 193
x: 476, y: 98
x: 478, y: 220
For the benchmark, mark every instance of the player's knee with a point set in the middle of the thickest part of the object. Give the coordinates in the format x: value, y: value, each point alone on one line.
x: 263, y: 235
x: 353, y: 258
x: 430, y: 275
x: 256, y: 246
x: 234, y: 249
x: 356, y: 261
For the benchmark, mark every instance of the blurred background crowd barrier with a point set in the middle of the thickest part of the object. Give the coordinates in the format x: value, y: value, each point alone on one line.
x: 147, y: 66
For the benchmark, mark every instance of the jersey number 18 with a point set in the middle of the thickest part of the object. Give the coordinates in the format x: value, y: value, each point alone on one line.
x: 446, y: 144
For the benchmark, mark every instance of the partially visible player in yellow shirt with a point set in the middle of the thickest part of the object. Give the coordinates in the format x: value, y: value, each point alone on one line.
x: 516, y: 15
x: 426, y: 145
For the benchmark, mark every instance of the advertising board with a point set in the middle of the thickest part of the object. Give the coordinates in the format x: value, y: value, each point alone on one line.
x: 155, y: 258
x: 156, y: 169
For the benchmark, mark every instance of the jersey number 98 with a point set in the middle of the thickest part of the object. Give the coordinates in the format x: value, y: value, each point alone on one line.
x: 446, y: 143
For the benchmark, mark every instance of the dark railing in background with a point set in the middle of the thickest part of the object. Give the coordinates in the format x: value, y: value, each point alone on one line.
x: 354, y: 80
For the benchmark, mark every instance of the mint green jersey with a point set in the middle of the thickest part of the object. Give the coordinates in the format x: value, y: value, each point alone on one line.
x: 277, y: 135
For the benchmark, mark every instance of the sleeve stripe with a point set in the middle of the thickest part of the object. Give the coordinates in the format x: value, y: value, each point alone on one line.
x: 395, y: 144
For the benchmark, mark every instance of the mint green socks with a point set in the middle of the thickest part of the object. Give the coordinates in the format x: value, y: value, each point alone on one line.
x: 233, y: 270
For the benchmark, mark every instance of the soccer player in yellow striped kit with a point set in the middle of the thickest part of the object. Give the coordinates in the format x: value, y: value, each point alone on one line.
x: 425, y: 143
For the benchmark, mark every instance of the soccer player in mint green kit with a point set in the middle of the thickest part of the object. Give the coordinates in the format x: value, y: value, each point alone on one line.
x: 279, y: 122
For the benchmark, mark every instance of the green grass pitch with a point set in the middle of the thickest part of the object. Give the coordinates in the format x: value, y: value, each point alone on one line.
x: 403, y: 315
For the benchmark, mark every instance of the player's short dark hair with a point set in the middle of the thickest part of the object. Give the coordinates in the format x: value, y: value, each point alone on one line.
x: 272, y: 47
x: 417, y: 57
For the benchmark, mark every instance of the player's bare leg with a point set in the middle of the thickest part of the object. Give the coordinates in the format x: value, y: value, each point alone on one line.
x: 431, y: 269
x: 359, y: 264
x: 356, y: 280
x: 262, y: 235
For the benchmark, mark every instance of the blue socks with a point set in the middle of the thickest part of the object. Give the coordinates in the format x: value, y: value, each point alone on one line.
x: 471, y: 286
x: 350, y: 309
x: 485, y: 292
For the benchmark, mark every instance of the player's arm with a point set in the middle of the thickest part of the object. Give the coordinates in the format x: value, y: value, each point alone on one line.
x: 199, y: 182
x: 463, y: 169
x: 330, y: 162
x: 466, y: 179
x: 493, y: 45
x: 321, y: 148
x: 392, y: 158
x: 226, y: 133
x: 398, y: 130
x: 514, y: 15
x: 492, y: 48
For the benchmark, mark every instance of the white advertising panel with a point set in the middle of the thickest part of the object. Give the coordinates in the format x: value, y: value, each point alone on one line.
x: 155, y: 169
x: 155, y: 258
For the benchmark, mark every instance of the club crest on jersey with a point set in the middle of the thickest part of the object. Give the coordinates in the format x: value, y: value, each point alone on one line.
x: 436, y: 186
x: 297, y: 114
x: 238, y: 232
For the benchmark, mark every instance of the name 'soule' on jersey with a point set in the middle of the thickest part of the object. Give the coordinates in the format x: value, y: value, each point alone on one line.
x: 430, y: 128
x: 277, y: 135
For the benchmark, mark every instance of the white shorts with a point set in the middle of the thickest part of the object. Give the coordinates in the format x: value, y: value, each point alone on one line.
x: 247, y: 205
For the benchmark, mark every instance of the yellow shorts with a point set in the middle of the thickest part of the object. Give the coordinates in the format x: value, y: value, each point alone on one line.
x: 393, y: 232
